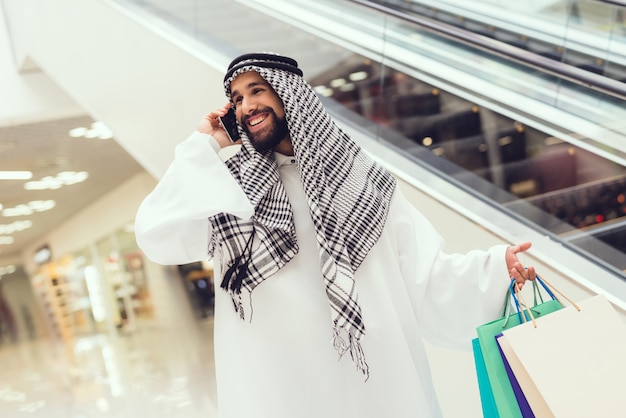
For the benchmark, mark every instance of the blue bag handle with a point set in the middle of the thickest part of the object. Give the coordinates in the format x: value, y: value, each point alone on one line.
x: 546, y: 285
x: 536, y: 292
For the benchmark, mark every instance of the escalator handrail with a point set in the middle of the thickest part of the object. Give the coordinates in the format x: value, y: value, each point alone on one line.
x: 559, y: 69
x: 620, y: 3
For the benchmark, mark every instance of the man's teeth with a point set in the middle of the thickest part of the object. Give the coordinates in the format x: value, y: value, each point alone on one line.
x: 256, y: 121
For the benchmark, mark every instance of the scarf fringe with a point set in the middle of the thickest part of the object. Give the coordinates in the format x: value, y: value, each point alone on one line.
x: 237, y: 300
x: 353, y: 346
x: 238, y: 304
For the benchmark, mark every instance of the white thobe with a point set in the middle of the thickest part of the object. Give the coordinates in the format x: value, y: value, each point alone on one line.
x: 280, y: 362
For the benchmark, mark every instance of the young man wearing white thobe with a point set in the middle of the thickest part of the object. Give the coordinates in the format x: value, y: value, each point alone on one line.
x: 329, y: 278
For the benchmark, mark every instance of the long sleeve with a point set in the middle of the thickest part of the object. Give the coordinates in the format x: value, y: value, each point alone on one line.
x: 172, y: 225
x: 451, y: 294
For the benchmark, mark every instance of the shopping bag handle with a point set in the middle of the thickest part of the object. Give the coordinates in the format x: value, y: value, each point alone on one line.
x: 525, y: 308
x: 544, y: 282
x: 510, y: 294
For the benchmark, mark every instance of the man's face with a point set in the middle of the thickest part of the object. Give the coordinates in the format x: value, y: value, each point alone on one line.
x: 259, y: 110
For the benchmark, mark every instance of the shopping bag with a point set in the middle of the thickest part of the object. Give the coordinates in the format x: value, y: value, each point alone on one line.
x: 503, y: 394
x: 522, y: 402
x: 571, y: 363
x: 487, y: 402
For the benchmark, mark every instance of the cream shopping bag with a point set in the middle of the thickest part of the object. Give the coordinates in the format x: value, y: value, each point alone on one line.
x: 571, y: 363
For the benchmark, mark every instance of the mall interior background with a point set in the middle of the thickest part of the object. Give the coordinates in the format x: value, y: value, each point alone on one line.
x: 90, y: 326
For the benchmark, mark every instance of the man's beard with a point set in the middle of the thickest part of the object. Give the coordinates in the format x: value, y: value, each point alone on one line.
x: 266, y: 141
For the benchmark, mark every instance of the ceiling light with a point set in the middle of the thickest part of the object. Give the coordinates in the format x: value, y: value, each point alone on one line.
x: 17, y: 226
x: 7, y: 269
x: 64, y: 178
x: 78, y: 132
x: 43, y: 255
x: 337, y: 82
x: 347, y: 87
x: 16, y: 175
x: 324, y: 91
x: 29, y: 208
x: 42, y: 205
x: 358, y: 76
x: 97, y: 130
x: 6, y: 240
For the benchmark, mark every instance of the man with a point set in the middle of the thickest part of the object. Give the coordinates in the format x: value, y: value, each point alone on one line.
x: 329, y: 277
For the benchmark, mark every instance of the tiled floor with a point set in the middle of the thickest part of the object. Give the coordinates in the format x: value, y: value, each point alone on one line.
x: 157, y: 371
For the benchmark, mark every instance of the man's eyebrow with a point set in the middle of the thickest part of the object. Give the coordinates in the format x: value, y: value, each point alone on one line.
x: 248, y: 87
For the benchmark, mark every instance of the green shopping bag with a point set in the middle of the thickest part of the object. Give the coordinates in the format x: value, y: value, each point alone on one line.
x: 487, y: 401
x: 502, y: 391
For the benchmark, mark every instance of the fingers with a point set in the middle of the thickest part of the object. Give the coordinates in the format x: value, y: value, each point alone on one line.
x: 210, y: 124
x: 222, y: 111
x: 521, y: 274
x: 516, y: 268
x: 520, y: 248
x: 215, y: 114
x: 213, y: 117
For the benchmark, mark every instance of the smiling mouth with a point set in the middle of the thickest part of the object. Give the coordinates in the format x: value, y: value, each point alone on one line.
x: 256, y: 120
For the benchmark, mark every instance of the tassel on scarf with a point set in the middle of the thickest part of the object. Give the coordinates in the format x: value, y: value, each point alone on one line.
x: 354, y: 346
x: 232, y: 282
x: 233, y: 278
x: 229, y: 274
x: 236, y: 273
x: 358, y: 357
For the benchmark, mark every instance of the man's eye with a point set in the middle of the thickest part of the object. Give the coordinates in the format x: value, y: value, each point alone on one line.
x: 237, y: 99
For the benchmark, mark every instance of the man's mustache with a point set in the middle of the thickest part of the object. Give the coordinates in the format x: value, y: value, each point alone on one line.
x: 244, y: 119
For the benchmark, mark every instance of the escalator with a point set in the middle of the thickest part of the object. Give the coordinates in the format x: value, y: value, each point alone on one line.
x: 536, y: 40
x: 572, y: 189
x: 510, y: 112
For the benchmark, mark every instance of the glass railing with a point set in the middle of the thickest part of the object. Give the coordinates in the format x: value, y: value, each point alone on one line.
x: 508, y: 81
x: 543, y: 147
x: 590, y: 34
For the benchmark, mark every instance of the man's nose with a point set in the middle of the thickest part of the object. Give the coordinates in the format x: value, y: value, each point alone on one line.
x: 249, y: 105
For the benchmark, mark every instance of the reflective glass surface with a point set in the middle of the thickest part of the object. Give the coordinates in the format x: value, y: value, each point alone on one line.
x: 522, y: 104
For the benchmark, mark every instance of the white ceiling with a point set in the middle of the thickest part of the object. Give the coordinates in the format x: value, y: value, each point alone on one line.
x: 46, y: 149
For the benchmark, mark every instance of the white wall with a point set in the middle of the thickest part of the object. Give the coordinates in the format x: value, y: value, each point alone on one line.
x: 31, y: 96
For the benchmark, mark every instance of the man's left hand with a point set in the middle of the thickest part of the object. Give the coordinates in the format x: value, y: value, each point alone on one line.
x: 516, y: 269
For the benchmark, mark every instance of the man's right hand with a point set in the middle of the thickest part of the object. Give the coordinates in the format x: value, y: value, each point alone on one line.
x: 211, y: 125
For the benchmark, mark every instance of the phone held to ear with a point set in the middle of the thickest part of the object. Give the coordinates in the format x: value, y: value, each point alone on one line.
x: 229, y: 123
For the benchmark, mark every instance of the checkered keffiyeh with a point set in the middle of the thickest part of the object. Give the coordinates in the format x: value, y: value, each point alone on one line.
x: 348, y: 197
